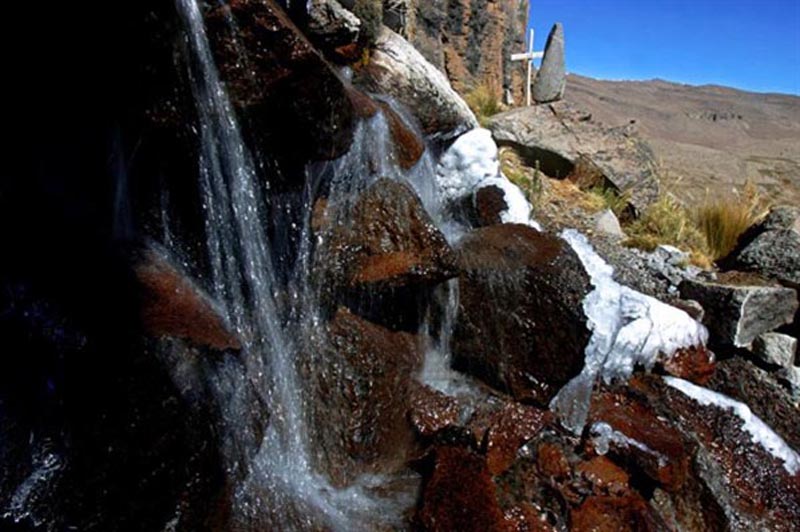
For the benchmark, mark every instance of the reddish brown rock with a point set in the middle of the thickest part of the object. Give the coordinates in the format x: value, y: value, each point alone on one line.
x: 431, y: 410
x: 363, y: 379
x: 606, y: 477
x: 514, y: 425
x: 694, y: 364
x: 172, y: 305
x: 520, y: 326
x: 284, y: 80
x: 615, y: 514
x: 490, y: 202
x: 408, y: 147
x: 525, y: 518
x: 385, y: 242
x: 552, y: 462
x: 363, y: 105
x: 654, y: 444
x: 459, y: 495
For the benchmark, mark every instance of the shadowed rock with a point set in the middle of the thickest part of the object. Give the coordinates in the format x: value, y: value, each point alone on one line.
x: 521, y: 325
x: 552, y: 76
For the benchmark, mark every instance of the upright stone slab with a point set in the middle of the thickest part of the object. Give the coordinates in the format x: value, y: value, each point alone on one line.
x: 552, y: 77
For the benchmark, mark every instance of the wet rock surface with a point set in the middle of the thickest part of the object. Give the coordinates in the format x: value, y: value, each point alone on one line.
x: 541, y: 282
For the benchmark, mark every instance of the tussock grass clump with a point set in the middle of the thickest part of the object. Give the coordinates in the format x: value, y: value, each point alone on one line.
x: 667, y: 221
x: 484, y: 102
x: 723, y: 220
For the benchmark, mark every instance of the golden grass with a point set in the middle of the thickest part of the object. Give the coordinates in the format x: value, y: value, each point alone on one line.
x: 723, y: 220
x: 484, y: 102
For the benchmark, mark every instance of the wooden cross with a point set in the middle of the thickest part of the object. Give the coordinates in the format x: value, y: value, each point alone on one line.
x: 529, y: 57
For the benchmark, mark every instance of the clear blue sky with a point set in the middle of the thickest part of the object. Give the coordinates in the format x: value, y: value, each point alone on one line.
x: 749, y: 44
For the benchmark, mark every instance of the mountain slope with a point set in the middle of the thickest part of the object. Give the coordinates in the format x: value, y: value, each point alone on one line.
x: 706, y: 137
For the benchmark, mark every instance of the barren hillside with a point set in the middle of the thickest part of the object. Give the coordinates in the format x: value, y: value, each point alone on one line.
x: 706, y: 137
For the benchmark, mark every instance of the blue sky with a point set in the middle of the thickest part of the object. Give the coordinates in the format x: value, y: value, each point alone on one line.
x: 749, y: 44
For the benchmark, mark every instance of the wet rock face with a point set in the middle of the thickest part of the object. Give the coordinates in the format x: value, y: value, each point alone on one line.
x: 751, y: 485
x: 363, y: 385
x: 560, y: 136
x: 552, y: 76
x: 460, y: 494
x: 281, y: 81
x: 385, y: 243
x: 641, y: 437
x: 511, y: 427
x: 396, y: 69
x: 490, y: 202
x: 533, y: 342
x: 736, y: 314
x: 173, y: 306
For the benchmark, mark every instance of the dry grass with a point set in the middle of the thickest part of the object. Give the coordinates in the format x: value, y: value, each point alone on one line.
x: 723, y: 220
x: 484, y: 102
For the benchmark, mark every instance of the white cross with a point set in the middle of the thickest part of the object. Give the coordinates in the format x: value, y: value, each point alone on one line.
x: 529, y: 57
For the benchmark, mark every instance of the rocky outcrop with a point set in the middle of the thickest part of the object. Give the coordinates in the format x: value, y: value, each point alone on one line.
x: 771, y: 248
x: 558, y: 137
x: 736, y: 314
x: 471, y: 41
x: 539, y: 333
x: 396, y: 69
x: 551, y: 80
x: 775, y: 349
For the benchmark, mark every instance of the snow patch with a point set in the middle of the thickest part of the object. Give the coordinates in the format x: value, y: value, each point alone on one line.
x: 628, y: 329
x: 472, y: 163
x: 760, y: 432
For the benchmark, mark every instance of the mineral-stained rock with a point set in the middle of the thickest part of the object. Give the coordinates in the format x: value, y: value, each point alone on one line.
x: 408, y: 147
x: 520, y: 325
x: 364, y: 373
x: 283, y: 82
x: 385, y: 242
x: 396, y: 69
x: 755, y: 487
x: 776, y: 349
x: 737, y: 314
x: 606, y: 477
x: 172, y: 305
x: 559, y: 136
x: 552, y: 76
x: 460, y: 494
x: 744, y: 381
x: 514, y: 425
x: 631, y: 429
x: 615, y: 514
x: 490, y: 202
x: 695, y: 364
x: 431, y: 410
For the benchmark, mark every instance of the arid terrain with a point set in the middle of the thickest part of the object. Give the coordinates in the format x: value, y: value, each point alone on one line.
x: 708, y: 139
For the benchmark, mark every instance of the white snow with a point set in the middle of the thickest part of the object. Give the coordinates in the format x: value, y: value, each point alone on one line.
x: 472, y: 163
x: 628, y: 329
x: 760, y: 432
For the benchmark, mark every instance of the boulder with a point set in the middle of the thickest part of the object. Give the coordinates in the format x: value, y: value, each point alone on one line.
x: 607, y: 223
x: 551, y: 80
x: 747, y: 469
x: 628, y: 427
x: 333, y: 28
x: 396, y: 69
x: 490, y: 203
x: 520, y: 325
x: 172, y: 305
x: 459, y: 494
x: 362, y: 381
x: 512, y: 426
x: 775, y: 349
x: 558, y: 137
x: 287, y: 92
x: 431, y: 410
x: 736, y: 314
x: 384, y: 242
x: 408, y: 147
